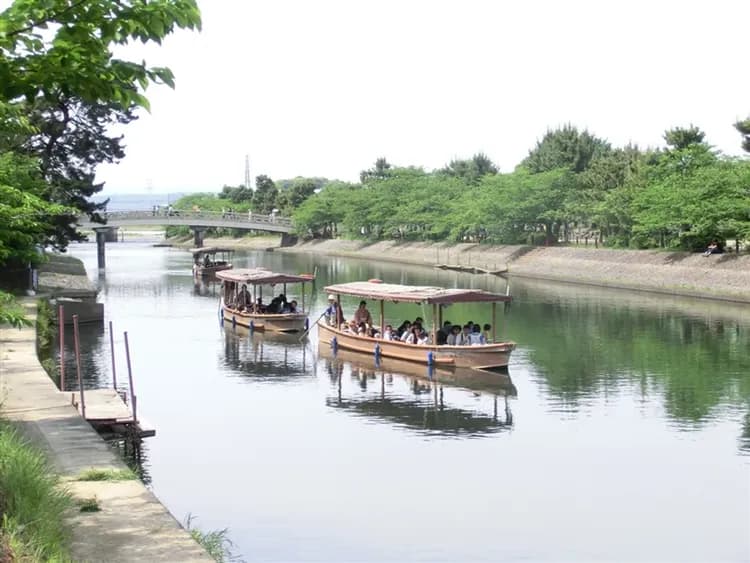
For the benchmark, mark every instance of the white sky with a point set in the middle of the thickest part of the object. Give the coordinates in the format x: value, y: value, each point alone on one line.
x: 323, y: 88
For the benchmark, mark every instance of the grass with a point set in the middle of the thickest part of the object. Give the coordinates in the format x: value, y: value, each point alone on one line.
x: 45, y: 337
x: 94, y: 474
x: 32, y: 503
x: 89, y: 505
x: 217, y: 543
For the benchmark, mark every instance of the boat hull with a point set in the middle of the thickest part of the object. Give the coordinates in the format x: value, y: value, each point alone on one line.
x: 490, y: 356
x: 283, y: 322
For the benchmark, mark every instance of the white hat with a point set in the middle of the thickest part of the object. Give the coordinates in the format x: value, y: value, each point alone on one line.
x: 331, y: 297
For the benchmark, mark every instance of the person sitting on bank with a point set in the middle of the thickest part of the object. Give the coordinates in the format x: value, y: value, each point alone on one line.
x: 713, y: 248
x: 362, y: 315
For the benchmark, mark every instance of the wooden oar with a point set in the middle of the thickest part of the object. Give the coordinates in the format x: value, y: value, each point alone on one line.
x: 309, y: 328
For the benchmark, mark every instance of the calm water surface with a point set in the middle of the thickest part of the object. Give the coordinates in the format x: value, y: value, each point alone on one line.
x: 627, y: 438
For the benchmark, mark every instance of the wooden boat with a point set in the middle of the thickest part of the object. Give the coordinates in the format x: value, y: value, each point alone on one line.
x: 241, y: 307
x: 211, y: 259
x: 489, y: 356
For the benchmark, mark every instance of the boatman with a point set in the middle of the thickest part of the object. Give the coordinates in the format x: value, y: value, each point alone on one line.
x: 334, y: 316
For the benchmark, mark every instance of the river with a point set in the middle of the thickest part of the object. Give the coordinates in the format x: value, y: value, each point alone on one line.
x: 627, y: 436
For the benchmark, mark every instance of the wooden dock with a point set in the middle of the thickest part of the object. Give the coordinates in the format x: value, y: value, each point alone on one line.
x: 471, y: 269
x: 107, y: 411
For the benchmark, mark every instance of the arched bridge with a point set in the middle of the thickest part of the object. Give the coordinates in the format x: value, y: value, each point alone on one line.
x: 205, y: 219
x: 198, y: 221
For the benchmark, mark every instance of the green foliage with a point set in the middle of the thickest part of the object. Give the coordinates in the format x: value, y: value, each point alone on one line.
x: 216, y: 543
x: 743, y: 127
x: 239, y: 194
x: 471, y: 171
x: 32, y: 502
x: 266, y: 193
x: 95, y: 474
x: 682, y: 137
x: 11, y: 312
x: 26, y: 217
x: 565, y: 148
x: 89, y: 505
x: 380, y: 171
x: 61, y: 91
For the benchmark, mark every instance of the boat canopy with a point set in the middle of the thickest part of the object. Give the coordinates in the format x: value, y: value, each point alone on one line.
x: 413, y: 293
x: 259, y: 276
x: 209, y: 250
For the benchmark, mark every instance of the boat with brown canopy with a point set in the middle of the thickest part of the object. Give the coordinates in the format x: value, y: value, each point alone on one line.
x: 243, y: 307
x: 490, y: 355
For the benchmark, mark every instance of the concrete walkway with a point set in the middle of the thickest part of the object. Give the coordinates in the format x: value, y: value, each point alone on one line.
x: 132, y: 524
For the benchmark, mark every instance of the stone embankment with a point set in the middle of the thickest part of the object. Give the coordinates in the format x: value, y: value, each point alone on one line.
x: 719, y: 276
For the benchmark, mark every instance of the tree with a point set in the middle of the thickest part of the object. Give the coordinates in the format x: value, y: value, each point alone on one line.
x: 380, y: 172
x: 471, y: 170
x: 61, y: 88
x: 744, y: 129
x: 682, y: 137
x: 295, y: 193
x: 565, y: 148
x: 266, y: 192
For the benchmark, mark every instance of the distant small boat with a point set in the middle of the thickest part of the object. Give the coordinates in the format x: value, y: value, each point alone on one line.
x: 211, y: 259
x: 243, y: 307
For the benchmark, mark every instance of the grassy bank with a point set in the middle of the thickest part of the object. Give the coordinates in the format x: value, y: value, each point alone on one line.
x: 32, y: 504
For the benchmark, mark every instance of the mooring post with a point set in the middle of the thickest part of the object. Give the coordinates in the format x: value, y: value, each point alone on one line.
x: 78, y: 365
x: 61, y: 328
x: 133, y: 399
x: 112, y: 350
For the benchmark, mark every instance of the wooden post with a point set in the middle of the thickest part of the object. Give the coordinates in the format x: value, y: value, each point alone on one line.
x: 61, y: 328
x: 382, y: 318
x: 112, y: 351
x: 303, y: 297
x: 78, y: 365
x: 434, y: 321
x: 133, y: 398
x: 494, y: 322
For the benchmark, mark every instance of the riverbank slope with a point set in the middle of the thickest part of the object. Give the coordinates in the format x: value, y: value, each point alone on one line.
x: 719, y: 276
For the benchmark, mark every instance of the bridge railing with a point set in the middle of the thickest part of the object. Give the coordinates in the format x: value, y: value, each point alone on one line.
x: 230, y: 218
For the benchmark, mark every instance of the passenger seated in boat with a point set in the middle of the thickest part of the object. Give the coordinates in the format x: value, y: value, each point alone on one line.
x: 293, y: 306
x: 454, y: 335
x: 476, y: 337
x: 412, y: 337
x: 423, y: 338
x: 463, y: 339
x: 362, y: 329
x: 206, y: 261
x: 258, y: 307
x: 487, y: 333
x: 407, y: 332
x: 388, y: 333
x: 443, y: 333
x: 403, y: 327
x: 362, y: 315
x: 243, y: 298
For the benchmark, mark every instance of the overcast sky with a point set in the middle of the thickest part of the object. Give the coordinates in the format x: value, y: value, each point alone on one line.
x: 323, y: 88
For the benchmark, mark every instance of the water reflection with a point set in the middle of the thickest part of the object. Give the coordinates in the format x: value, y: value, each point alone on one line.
x: 207, y: 286
x: 134, y: 452
x: 265, y: 355
x: 409, y: 397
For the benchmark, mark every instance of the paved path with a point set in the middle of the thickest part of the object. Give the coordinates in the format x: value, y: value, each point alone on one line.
x: 132, y: 524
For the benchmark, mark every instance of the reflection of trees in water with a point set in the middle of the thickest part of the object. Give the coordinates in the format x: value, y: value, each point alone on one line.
x: 95, y: 371
x: 270, y: 355
x: 745, y: 436
x: 134, y: 452
x: 425, y: 412
x: 588, y: 347
x: 206, y: 286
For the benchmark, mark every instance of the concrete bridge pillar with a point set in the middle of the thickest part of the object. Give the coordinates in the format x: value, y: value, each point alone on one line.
x: 103, y: 234
x: 288, y: 239
x: 198, y: 236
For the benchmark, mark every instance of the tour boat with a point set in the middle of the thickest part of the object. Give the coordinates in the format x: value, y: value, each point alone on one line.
x: 245, y: 307
x: 492, y: 355
x: 211, y: 259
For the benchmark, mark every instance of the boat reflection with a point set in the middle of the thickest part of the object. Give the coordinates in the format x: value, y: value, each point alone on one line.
x: 265, y: 355
x: 408, y: 397
x: 207, y: 285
